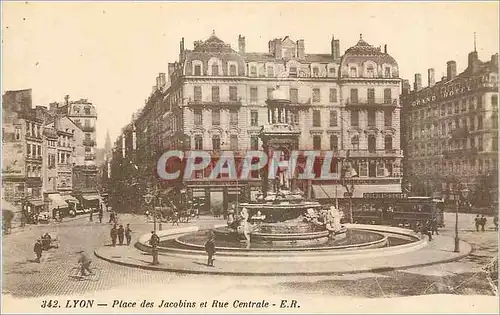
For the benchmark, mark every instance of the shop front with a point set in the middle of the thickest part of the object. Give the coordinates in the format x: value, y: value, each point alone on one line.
x: 57, y: 205
x: 91, y: 202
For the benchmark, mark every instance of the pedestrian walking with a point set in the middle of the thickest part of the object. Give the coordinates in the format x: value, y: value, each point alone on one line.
x: 175, y: 218
x: 111, y: 217
x: 128, y: 234
x: 495, y: 222
x: 101, y: 215
x: 114, y: 234
x: 38, y: 250
x: 434, y: 226
x: 91, y: 213
x: 477, y: 222
x: 425, y: 231
x: 482, y: 222
x: 210, y: 249
x: 121, y: 233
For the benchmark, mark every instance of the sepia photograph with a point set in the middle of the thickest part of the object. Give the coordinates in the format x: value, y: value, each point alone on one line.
x: 249, y: 157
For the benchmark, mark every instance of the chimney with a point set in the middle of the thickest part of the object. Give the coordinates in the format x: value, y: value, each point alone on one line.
x: 53, y: 107
x: 181, y: 50
x: 451, y: 70
x: 66, y: 99
x: 171, y: 69
x: 385, y: 49
x: 417, y: 86
x: 473, y: 61
x: 430, y: 77
x: 241, y: 44
x: 158, y: 82
x: 337, y: 49
x: 301, y: 50
x: 163, y: 80
x: 278, y: 49
x: 406, y: 87
x: 332, y: 45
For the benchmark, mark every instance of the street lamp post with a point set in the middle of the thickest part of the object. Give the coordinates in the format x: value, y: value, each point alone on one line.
x: 148, y: 198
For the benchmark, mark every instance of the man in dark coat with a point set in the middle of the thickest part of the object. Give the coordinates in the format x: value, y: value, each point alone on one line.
x: 114, y: 234
x: 154, y: 241
x: 121, y: 233
x: 111, y: 217
x: 477, y: 222
x: 434, y: 226
x: 210, y: 249
x: 128, y: 234
x: 482, y: 222
x: 101, y: 215
x: 38, y: 250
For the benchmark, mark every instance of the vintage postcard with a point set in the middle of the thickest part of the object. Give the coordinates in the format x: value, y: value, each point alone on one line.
x: 249, y: 157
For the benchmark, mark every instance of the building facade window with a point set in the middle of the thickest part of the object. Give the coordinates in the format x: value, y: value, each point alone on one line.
x: 253, y: 94
x: 232, y: 70
x: 388, y: 143
x: 355, y: 118
x: 316, y: 118
x: 233, y: 117
x: 215, y: 94
x: 198, y: 117
x: 254, y: 143
x: 294, y: 96
x: 371, y: 95
x: 198, y: 96
x: 387, y: 96
x: 315, y: 72
x: 388, y: 118
x: 254, y: 118
x: 292, y: 72
x: 216, y: 142
x: 333, y: 95
x: 387, y: 72
x: 197, y: 70
x: 333, y: 118
x: 494, y: 101
x: 316, y: 95
x: 370, y: 72
x: 494, y: 121
x: 233, y: 93
x: 372, y: 143
x: 354, y: 96
x: 215, y: 69
x: 270, y: 71
x: 355, y: 142
x: 233, y: 142
x: 215, y: 117
x: 479, y: 102
x: 353, y: 72
x: 371, y: 118
x: 334, y: 143
x: 198, y: 143
x: 316, y: 142
x: 479, y: 122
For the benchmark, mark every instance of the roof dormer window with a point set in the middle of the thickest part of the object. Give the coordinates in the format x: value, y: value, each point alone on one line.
x: 354, y: 72
x: 370, y: 72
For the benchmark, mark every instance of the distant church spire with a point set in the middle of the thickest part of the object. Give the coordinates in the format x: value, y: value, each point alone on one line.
x: 107, y: 143
x: 474, y: 41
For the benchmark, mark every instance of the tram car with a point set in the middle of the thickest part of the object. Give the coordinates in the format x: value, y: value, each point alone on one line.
x: 404, y: 211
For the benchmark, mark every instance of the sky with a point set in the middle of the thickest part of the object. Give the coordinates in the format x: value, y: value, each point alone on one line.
x: 111, y: 53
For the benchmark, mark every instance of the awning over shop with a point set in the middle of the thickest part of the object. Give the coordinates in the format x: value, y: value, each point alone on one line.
x: 338, y: 191
x: 91, y: 197
x: 9, y: 207
x: 36, y: 203
x: 70, y: 199
x: 57, y: 201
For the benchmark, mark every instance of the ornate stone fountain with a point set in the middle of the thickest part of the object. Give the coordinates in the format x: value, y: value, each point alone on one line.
x: 280, y: 213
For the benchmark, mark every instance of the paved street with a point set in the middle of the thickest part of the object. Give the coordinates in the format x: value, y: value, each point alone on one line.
x: 25, y: 278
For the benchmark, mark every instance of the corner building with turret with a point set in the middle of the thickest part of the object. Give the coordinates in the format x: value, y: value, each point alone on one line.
x: 215, y: 98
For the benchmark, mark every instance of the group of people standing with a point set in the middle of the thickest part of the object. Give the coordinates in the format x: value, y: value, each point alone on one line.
x: 480, y: 222
x: 120, y: 233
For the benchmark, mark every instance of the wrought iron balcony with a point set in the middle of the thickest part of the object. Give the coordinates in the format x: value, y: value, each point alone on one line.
x: 88, y: 143
x: 376, y: 102
x: 88, y: 128
x: 215, y: 102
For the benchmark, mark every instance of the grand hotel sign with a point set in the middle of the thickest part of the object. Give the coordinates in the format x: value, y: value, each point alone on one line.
x: 443, y: 93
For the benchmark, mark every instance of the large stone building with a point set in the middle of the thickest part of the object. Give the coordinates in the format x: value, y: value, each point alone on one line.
x: 451, y: 131
x: 22, y: 158
x: 80, y: 118
x: 215, y: 98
